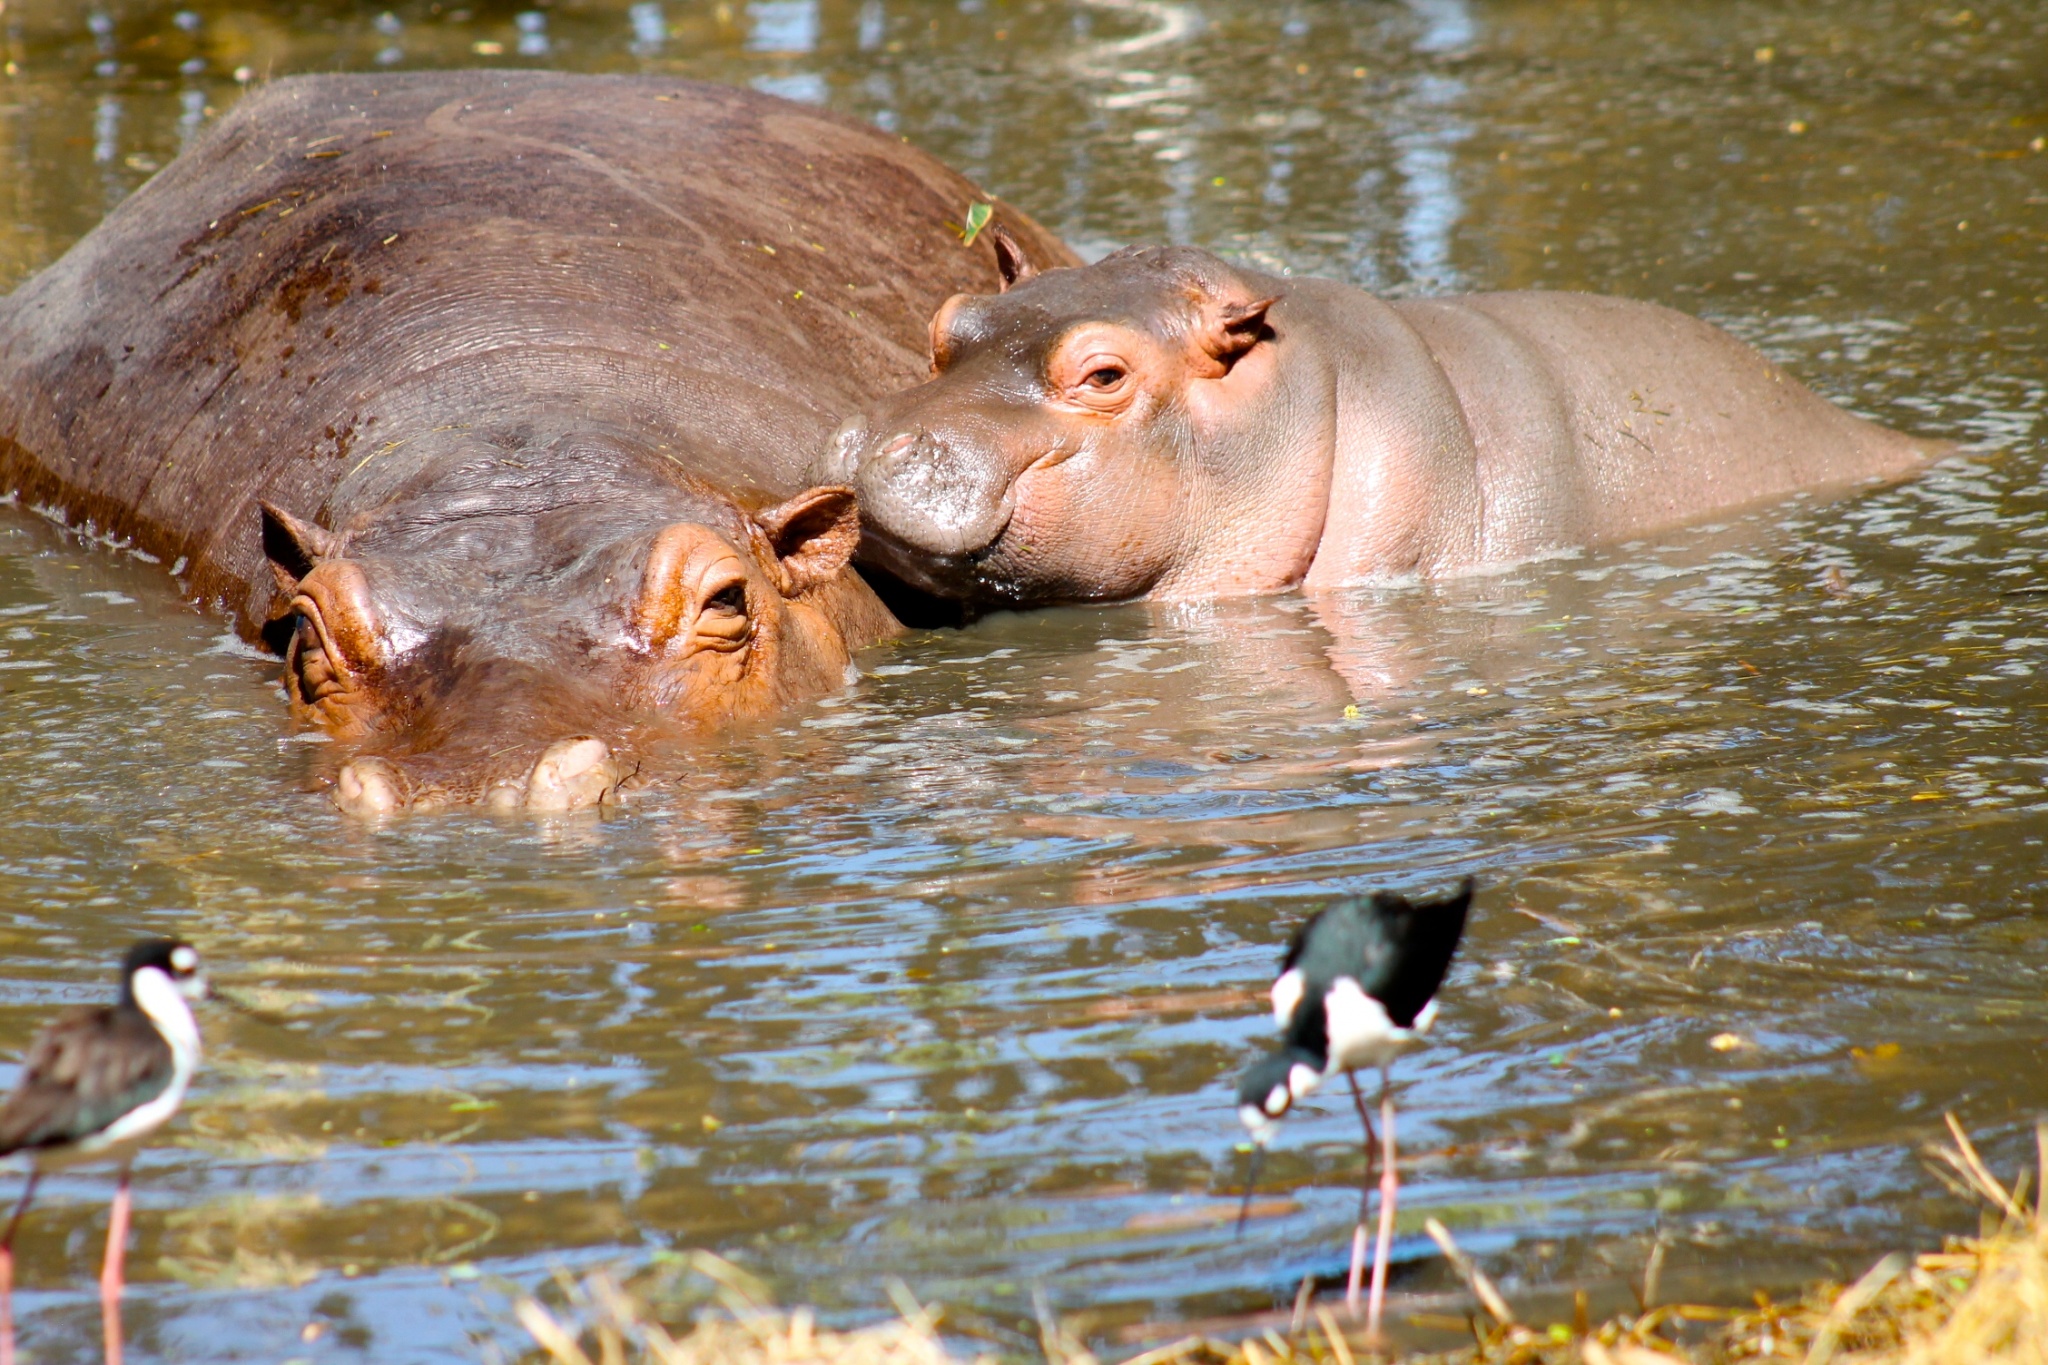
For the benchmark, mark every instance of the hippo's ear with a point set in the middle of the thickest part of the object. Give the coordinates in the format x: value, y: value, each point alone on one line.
x: 814, y: 534
x: 293, y: 547
x: 1011, y: 261
x: 1234, y: 329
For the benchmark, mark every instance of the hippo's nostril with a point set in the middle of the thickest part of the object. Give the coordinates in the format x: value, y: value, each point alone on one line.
x: 898, y: 447
x: 369, y: 787
x: 573, y: 774
x: 841, y: 460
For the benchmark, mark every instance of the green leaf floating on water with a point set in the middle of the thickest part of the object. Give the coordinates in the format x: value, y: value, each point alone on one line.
x: 977, y: 219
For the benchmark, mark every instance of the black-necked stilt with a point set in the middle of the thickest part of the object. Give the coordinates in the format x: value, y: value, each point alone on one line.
x: 95, y: 1084
x: 1357, y: 987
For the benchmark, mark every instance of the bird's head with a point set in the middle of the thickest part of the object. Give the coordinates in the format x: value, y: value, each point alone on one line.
x: 1270, y: 1086
x: 177, y: 960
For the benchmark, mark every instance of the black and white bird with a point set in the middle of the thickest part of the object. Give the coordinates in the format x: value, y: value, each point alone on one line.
x: 1357, y: 988
x: 95, y: 1085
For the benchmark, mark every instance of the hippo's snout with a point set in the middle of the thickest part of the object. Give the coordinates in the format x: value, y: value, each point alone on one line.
x: 574, y: 774
x: 931, y: 503
x: 840, y: 463
x: 370, y: 787
x: 570, y: 775
x: 932, y: 495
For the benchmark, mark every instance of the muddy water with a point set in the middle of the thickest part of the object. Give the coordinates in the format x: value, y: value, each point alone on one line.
x: 944, y: 977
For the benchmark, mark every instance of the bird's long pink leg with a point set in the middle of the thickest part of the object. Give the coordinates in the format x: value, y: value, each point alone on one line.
x: 110, y: 1271
x: 1389, y: 1186
x: 7, y: 1274
x: 1357, y: 1280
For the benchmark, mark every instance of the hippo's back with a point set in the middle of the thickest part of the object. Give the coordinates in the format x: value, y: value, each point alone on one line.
x: 347, y: 264
x: 1599, y: 418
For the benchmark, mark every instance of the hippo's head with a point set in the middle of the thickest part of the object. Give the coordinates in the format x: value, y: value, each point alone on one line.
x: 1067, y: 446
x: 510, y: 629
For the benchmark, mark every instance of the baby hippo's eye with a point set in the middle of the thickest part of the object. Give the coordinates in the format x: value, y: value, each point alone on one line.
x: 731, y: 599
x: 1097, y: 369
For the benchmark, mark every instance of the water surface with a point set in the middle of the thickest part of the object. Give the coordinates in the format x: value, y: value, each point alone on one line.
x: 945, y: 977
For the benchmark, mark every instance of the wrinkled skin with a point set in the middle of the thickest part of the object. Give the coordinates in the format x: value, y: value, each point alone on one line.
x: 625, y: 593
x: 484, y: 398
x: 1163, y: 424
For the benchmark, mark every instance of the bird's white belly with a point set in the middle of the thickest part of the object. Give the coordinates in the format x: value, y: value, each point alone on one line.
x: 140, y: 1122
x: 1361, y: 1034
x: 118, y: 1140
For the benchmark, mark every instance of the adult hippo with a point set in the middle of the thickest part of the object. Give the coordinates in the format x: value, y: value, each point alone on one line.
x: 485, y: 397
x: 1164, y: 424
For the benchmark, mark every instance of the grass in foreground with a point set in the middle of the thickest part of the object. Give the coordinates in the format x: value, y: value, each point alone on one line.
x: 1978, y: 1301
x: 613, y: 1327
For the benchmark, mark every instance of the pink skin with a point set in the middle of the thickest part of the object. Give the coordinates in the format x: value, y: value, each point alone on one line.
x: 1390, y: 1187
x: 1162, y: 424
x: 7, y: 1272
x: 7, y: 1305
x: 110, y: 1271
x: 1212, y: 536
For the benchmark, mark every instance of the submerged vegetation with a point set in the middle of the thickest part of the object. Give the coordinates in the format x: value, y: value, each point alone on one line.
x: 1978, y: 1301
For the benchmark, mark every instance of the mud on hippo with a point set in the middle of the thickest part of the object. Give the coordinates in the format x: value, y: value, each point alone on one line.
x: 485, y: 398
x: 1164, y: 424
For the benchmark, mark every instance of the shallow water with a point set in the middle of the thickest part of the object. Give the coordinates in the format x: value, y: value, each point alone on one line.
x: 945, y: 977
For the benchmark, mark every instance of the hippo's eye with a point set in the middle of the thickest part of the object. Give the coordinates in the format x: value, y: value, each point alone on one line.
x: 722, y: 622
x: 1099, y: 382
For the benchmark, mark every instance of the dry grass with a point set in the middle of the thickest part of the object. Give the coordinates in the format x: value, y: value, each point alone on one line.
x: 1978, y: 1301
x: 607, y: 1325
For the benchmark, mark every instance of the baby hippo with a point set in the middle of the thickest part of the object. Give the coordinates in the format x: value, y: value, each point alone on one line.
x: 1163, y: 424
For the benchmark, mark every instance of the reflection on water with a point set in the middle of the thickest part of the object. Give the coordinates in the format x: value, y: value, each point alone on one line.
x: 945, y: 976
x: 1426, y: 135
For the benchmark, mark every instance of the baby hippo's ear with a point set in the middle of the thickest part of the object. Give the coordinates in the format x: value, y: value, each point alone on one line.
x: 1229, y: 329
x: 814, y: 534
x: 1011, y: 262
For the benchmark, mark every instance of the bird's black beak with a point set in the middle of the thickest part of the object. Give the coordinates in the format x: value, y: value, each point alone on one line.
x: 1251, y: 1182
x: 242, y: 1007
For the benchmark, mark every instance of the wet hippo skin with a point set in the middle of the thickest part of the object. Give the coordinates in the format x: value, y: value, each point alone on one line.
x: 485, y: 398
x: 1164, y: 424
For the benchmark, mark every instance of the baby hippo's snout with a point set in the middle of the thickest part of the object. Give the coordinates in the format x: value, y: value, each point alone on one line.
x: 840, y: 462
x: 931, y: 502
x: 570, y: 775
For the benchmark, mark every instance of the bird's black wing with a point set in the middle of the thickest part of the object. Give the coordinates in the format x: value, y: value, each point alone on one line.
x: 1421, y: 937
x: 82, y: 1073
